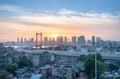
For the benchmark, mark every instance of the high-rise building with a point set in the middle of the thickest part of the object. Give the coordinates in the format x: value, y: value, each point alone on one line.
x: 18, y: 40
x: 21, y: 40
x: 97, y: 41
x: 45, y: 41
x: 65, y: 41
x: 59, y: 40
x: 53, y: 41
x: 81, y: 41
x: 32, y: 39
x: 73, y: 40
x: 25, y: 40
x: 93, y: 40
x: 89, y: 42
x: 50, y: 40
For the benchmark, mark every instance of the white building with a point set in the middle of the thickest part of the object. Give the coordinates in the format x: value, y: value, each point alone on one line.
x: 35, y: 60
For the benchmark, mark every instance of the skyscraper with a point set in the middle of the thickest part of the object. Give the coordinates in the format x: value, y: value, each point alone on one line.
x: 53, y: 41
x: 50, y: 40
x: 59, y: 40
x: 21, y: 40
x: 89, y: 42
x: 25, y: 40
x: 73, y: 40
x: 65, y: 41
x: 93, y: 40
x: 45, y: 41
x: 81, y: 41
x: 18, y: 40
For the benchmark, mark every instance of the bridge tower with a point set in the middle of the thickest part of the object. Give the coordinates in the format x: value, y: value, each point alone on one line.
x: 38, y: 34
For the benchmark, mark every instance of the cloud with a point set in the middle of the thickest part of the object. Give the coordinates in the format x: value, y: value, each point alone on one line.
x: 14, y: 9
x: 64, y: 11
x: 61, y: 12
x: 99, y: 15
x: 61, y: 21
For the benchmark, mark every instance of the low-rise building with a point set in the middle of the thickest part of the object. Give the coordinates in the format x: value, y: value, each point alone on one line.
x: 66, y: 72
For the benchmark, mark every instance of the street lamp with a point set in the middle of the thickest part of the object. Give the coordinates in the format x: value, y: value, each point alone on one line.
x: 95, y: 66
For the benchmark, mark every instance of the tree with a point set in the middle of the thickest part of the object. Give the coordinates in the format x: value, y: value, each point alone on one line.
x: 99, y: 57
x: 82, y: 57
x: 2, y: 76
x: 11, y: 68
x: 90, y: 66
x: 100, y: 67
x: 24, y: 62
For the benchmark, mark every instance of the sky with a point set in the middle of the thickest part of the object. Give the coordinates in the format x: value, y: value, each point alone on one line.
x: 23, y: 18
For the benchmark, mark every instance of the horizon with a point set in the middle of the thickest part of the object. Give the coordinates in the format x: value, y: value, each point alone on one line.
x: 62, y: 17
x: 54, y: 36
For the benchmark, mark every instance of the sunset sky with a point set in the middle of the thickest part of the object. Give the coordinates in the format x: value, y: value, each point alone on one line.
x: 23, y: 18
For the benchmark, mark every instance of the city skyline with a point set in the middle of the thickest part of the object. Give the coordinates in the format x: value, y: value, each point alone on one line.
x: 67, y: 18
